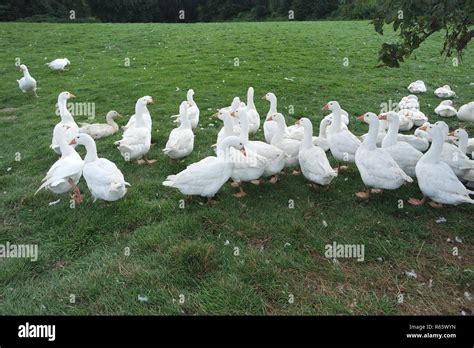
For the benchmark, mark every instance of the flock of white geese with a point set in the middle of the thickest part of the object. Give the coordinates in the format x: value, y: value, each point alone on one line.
x: 386, y: 160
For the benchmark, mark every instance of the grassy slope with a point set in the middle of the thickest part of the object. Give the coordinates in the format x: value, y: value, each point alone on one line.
x: 181, y: 251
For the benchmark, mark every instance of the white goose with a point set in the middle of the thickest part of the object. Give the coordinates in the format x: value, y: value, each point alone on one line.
x: 444, y: 92
x: 103, y: 178
x: 406, y: 120
x: 252, y: 113
x: 377, y: 168
x: 27, y: 82
x: 313, y: 161
x: 446, y: 109
x: 417, y: 87
x: 72, y: 128
x: 58, y: 64
x: 381, y: 135
x: 228, y: 129
x: 66, y: 172
x: 181, y: 140
x: 322, y: 140
x: 436, y: 179
x: 344, y: 118
x: 136, y: 141
x: 101, y: 130
x: 452, y: 155
x: 466, y: 112
x: 404, y: 154
x: 289, y: 146
x: 207, y: 176
x: 462, y: 140
x: 147, y: 122
x: 270, y: 157
x: 193, y: 110
x: 410, y: 102
x: 342, y: 143
x: 270, y: 127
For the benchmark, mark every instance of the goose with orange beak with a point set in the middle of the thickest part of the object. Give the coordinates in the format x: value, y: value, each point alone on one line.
x: 377, y: 168
x: 436, y: 178
x: 404, y: 154
x: 66, y: 172
x: 27, y: 82
x: 342, y: 143
x: 72, y: 129
x: 206, y: 177
x: 270, y: 127
x: 136, y: 141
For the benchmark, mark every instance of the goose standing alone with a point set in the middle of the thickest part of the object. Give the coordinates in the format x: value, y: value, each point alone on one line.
x: 377, y: 168
x: 403, y: 153
x: 207, y: 176
x: 27, y: 82
x: 342, y: 143
x: 312, y: 159
x: 102, y: 130
x: 66, y: 172
x: 436, y: 179
x: 72, y: 128
x: 181, y: 140
x: 58, y: 64
x: 147, y: 122
x: 103, y: 178
x: 136, y: 141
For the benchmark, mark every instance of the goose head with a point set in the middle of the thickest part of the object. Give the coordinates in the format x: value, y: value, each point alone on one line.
x: 369, y: 118
x: 269, y: 97
x: 305, y: 122
x: 235, y: 105
x: 235, y: 142
x: 332, y: 106
x: 23, y: 68
x: 82, y: 139
x: 67, y: 60
x: 145, y: 100
x: 63, y: 96
x: 460, y: 134
x: 112, y: 114
x: 391, y: 116
x: 444, y: 128
x: 278, y: 118
x: 250, y: 93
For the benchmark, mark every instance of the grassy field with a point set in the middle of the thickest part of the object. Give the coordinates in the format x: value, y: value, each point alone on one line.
x: 184, y: 260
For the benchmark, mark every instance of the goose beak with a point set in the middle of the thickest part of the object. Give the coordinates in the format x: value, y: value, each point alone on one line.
x: 360, y: 118
x: 270, y: 118
x: 215, y: 115
x: 298, y: 122
x: 242, y: 150
x: 451, y: 134
x: 152, y: 102
x: 119, y: 115
x: 383, y: 117
x: 72, y: 95
x: 325, y: 107
x: 232, y: 113
x: 73, y: 142
x: 264, y: 97
x: 423, y: 128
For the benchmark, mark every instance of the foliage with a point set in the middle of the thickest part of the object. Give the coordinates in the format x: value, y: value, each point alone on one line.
x: 416, y: 21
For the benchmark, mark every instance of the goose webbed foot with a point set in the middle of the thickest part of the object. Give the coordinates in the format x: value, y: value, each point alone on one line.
x: 211, y: 201
x: 376, y: 191
x: 435, y: 205
x: 417, y: 202
x: 76, y: 196
x: 364, y: 195
x: 241, y: 193
x: 340, y: 168
x: 256, y: 182
x: 145, y: 161
x: 274, y: 179
x: 296, y: 172
x: 235, y: 184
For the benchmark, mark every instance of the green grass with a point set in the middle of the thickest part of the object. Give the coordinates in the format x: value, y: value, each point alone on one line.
x: 177, y: 251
